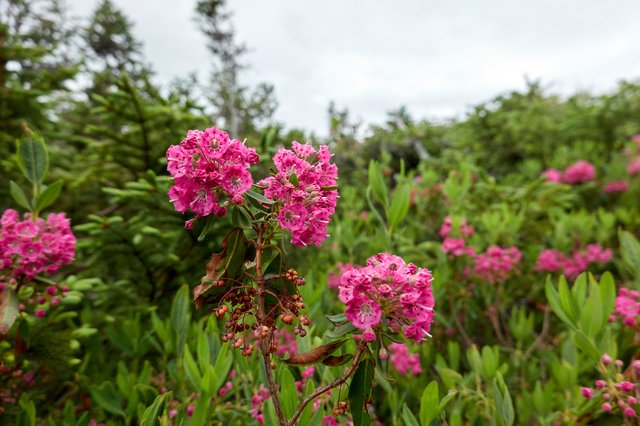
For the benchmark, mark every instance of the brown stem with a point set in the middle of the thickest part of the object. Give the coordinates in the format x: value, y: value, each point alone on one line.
x: 541, y: 336
x: 265, y: 344
x: 340, y: 380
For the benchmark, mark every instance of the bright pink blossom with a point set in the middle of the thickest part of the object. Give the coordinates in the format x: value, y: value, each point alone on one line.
x: 616, y: 186
x: 305, y: 189
x: 456, y: 247
x: 466, y: 230
x: 549, y: 260
x: 580, y: 172
x: 496, y: 263
x: 586, y: 392
x: 633, y: 168
x: 209, y: 167
x: 389, y: 289
x: 403, y: 361
x: 627, y: 307
x: 553, y: 175
x: 30, y: 247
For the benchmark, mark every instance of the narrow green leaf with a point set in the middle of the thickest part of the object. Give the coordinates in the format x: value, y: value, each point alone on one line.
x: 288, y: 393
x: 554, y: 301
x: 399, y: 205
x: 607, y: 295
x: 504, y: 405
x: 180, y: 317
x: 191, y: 368
x: 19, y: 196
x: 49, y: 195
x: 586, y: 345
x: 408, y: 417
x: 151, y: 414
x: 377, y: 184
x: 259, y: 197
x: 429, y: 403
x: 106, y: 396
x: 359, y: 391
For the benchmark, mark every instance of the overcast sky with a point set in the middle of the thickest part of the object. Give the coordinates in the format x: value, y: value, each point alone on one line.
x: 436, y: 58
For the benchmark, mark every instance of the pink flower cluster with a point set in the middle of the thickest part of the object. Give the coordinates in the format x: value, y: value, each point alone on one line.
x: 333, y: 280
x: 633, y: 167
x: 257, y: 404
x: 466, y: 230
x: 305, y: 188
x: 285, y: 342
x: 579, y: 172
x: 616, y: 186
x: 496, y: 263
x: 388, y: 291
x: 403, y: 361
x: 627, y: 307
x: 616, y: 392
x: 29, y: 247
x: 457, y: 247
x: 208, y: 167
x: 551, y: 260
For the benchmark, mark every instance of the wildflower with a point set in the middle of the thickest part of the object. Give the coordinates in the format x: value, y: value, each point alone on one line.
x: 496, y: 263
x: 456, y: 247
x: 616, y: 186
x: 627, y: 307
x: 580, y: 172
x: 403, y: 361
x: 633, y: 167
x: 209, y: 167
x: 586, y: 392
x: 30, y: 247
x: 390, y: 289
x: 553, y: 175
x: 305, y: 189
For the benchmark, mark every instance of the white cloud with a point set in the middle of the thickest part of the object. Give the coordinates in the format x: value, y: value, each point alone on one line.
x: 372, y: 56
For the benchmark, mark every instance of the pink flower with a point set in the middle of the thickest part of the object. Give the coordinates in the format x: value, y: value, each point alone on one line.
x: 549, y: 260
x: 209, y: 167
x: 586, y: 392
x: 304, y: 188
x: 606, y: 407
x: 633, y: 168
x: 456, y: 247
x: 627, y: 307
x: 402, y: 361
x: 466, y: 230
x: 30, y: 247
x: 629, y: 412
x: 329, y: 421
x: 389, y: 286
x: 553, y: 175
x: 625, y: 386
x: 580, y: 172
x: 606, y: 359
x: 496, y: 263
x: 601, y: 383
x: 616, y: 186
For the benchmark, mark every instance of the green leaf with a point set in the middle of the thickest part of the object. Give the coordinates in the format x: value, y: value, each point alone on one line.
x: 447, y: 398
x: 408, y: 417
x: 337, y: 319
x: 504, y: 404
x: 429, y: 403
x: 568, y: 305
x: 204, y: 351
x: 180, y: 317
x: 190, y: 367
x: 49, y: 195
x: 106, y: 396
x: 377, y: 184
x: 359, y: 391
x: 259, y: 197
x: 399, y: 205
x: 607, y: 295
x: 9, y: 308
x: 288, y: 393
x: 27, y: 414
x: 554, y: 301
x: 33, y: 158
x: 341, y: 330
x: 307, y: 412
x: 586, y: 345
x: 630, y: 249
x: 151, y: 414
x: 19, y: 196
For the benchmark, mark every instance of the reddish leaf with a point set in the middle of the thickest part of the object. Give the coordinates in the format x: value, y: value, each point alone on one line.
x: 314, y: 355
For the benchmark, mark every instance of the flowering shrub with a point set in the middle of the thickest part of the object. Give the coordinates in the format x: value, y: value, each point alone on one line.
x: 627, y: 308
x: 388, y: 294
x: 551, y: 260
x: 496, y: 263
x: 32, y: 246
